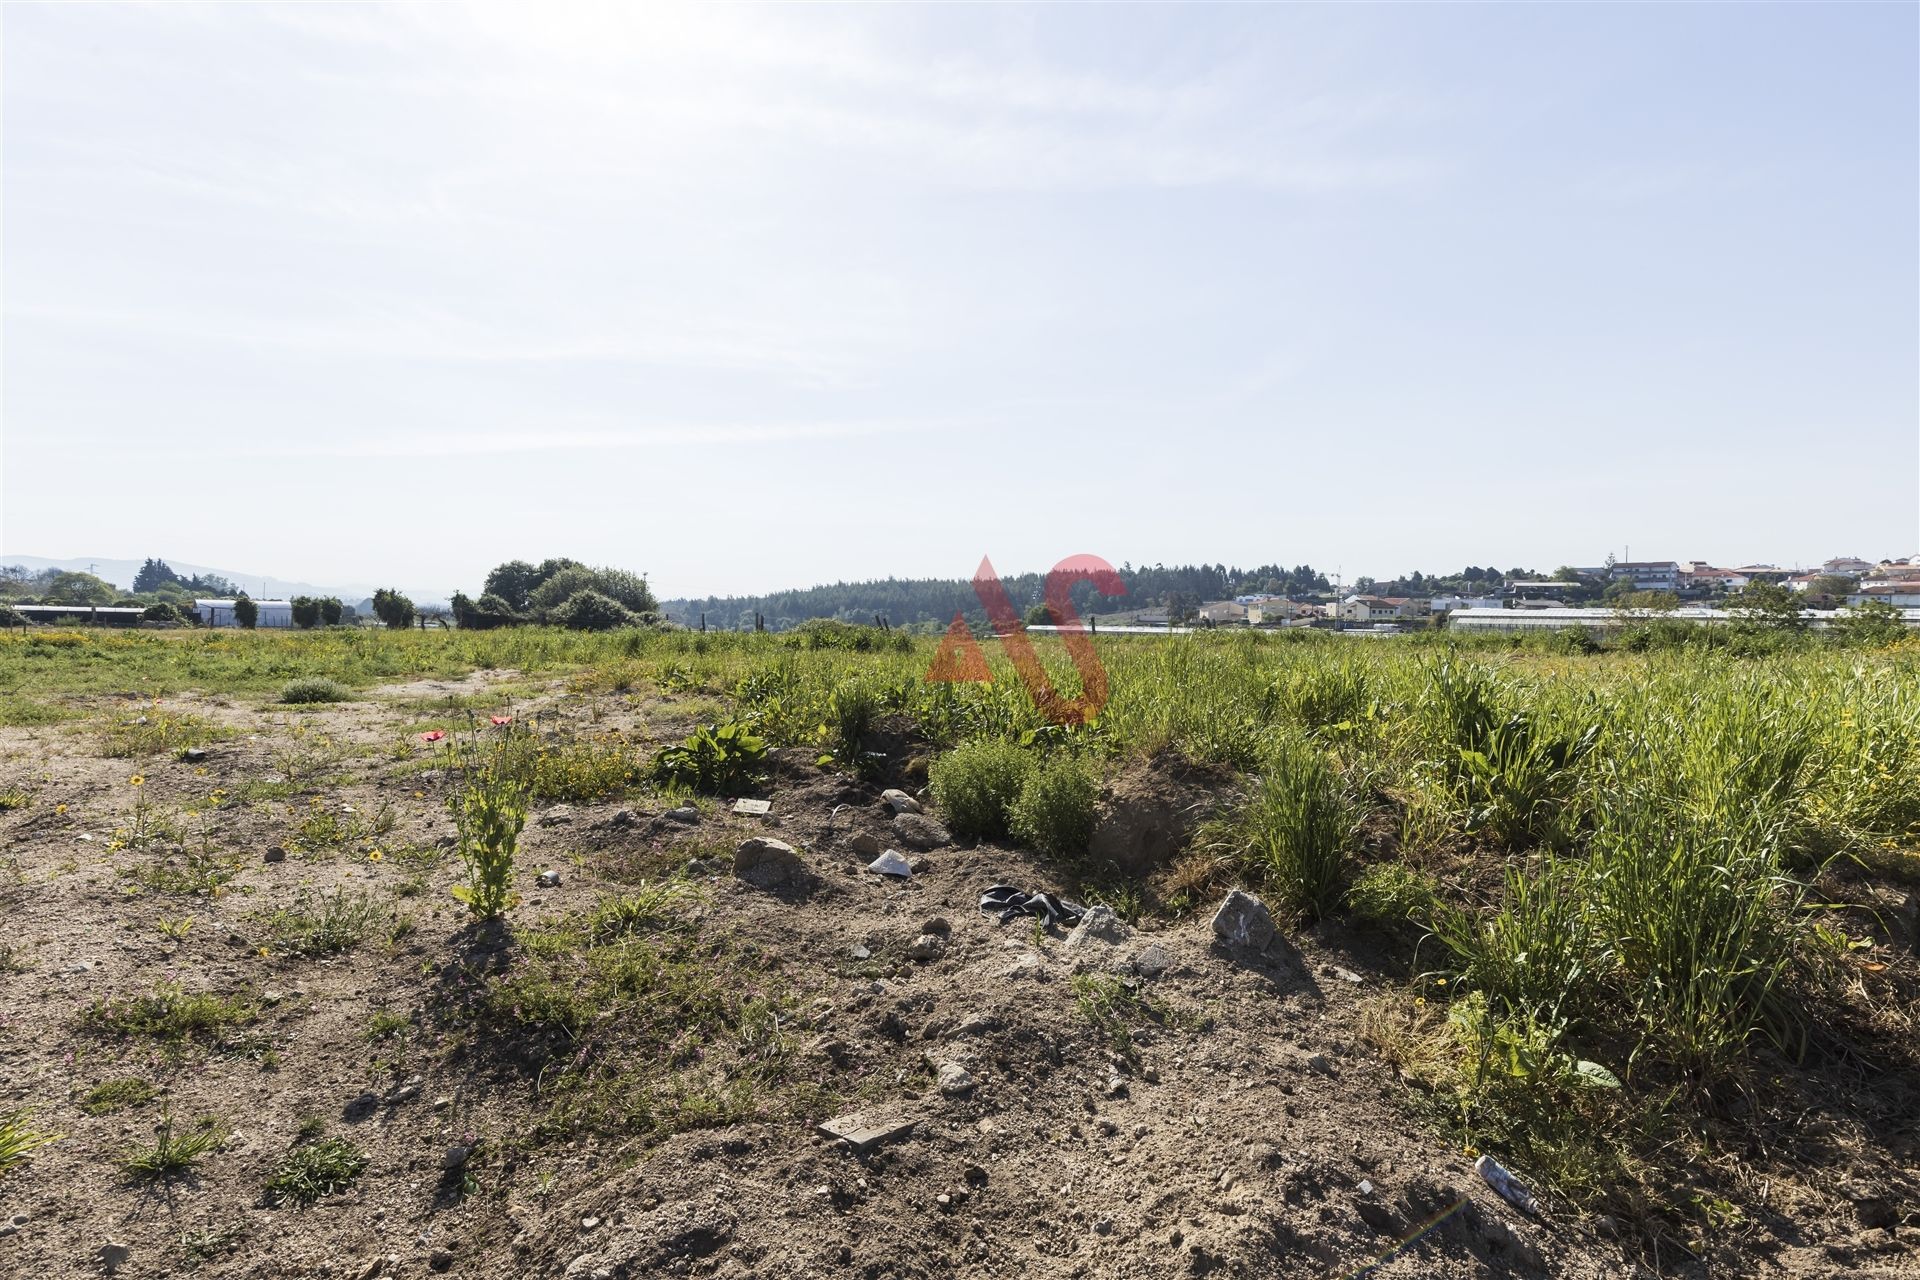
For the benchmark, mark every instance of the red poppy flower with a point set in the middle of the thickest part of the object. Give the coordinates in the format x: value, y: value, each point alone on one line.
x: 501, y: 719
x: 433, y: 735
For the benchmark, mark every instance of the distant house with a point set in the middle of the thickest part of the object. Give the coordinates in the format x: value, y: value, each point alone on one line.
x: 1222, y: 611
x: 1703, y: 579
x: 1276, y: 611
x: 1447, y: 604
x: 1648, y: 575
x: 219, y: 613
x: 1380, y: 609
x: 1901, y: 595
x: 1847, y: 567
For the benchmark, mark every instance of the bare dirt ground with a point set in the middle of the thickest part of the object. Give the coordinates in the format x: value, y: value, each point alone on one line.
x: 1239, y: 1127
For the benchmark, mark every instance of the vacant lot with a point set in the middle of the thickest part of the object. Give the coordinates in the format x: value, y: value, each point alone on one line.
x: 1641, y: 927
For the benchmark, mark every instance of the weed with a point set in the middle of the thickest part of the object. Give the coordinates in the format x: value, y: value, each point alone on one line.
x: 1298, y: 825
x: 1054, y: 812
x: 315, y: 1170
x: 156, y: 731
x: 211, y: 1242
x: 170, y: 1016
x: 322, y: 924
x: 325, y: 827
x: 15, y: 798
x: 489, y: 811
x: 110, y: 1096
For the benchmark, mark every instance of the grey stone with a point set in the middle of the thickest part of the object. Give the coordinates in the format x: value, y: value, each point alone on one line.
x: 928, y: 946
x: 111, y: 1256
x: 917, y: 831
x: 864, y: 844
x: 955, y: 1080
x: 1098, y: 925
x: 864, y: 1129
x: 686, y: 815
x: 768, y: 863
x: 1243, y: 921
x: 937, y: 924
x: 558, y: 816
x: 751, y: 807
x: 194, y: 755
x: 454, y: 1158
x: 1153, y: 960
x: 549, y: 879
x: 276, y: 854
x: 899, y: 801
x: 440, y: 1259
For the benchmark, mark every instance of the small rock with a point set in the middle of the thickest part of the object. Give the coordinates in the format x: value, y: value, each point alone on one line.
x: 454, y: 1158
x: 928, y: 946
x: 589, y: 1223
x: 111, y: 1256
x: 276, y: 854
x: 917, y: 831
x: 864, y: 844
x: 373, y: 1268
x: 77, y: 968
x: 899, y: 801
x: 623, y: 818
x: 549, y: 879
x: 1099, y: 924
x: 1244, y: 921
x: 861, y: 953
x: 406, y: 1092
x: 1320, y: 1065
x: 440, y: 1259
x: 194, y: 755
x: 955, y: 1080
x: 1026, y: 965
x: 442, y: 1102
x: 937, y: 924
x: 1153, y: 960
x: 751, y: 807
x: 686, y: 815
x: 558, y: 816
x: 1103, y: 1226
x: 891, y: 863
x: 768, y: 863
x: 1116, y: 1087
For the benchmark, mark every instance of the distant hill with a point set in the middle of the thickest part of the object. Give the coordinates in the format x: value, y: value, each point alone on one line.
x: 258, y: 585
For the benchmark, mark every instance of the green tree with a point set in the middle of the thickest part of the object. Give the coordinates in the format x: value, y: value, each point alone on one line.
x: 589, y: 610
x: 1769, y: 605
x: 1870, y: 624
x: 245, y: 611
x: 153, y: 575
x: 79, y: 588
x: 306, y: 612
x: 392, y: 608
x: 330, y: 610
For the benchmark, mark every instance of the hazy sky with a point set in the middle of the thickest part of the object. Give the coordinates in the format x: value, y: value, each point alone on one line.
x: 752, y: 298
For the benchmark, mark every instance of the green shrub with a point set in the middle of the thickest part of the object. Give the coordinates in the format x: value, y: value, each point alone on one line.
x: 628, y: 590
x: 1299, y: 824
x: 11, y: 618
x: 313, y: 689
x: 306, y: 612
x: 392, y: 608
x: 1393, y: 896
x: 246, y: 612
x: 161, y: 612
x: 717, y: 759
x: 976, y: 784
x: 1054, y: 813
x: 590, y: 610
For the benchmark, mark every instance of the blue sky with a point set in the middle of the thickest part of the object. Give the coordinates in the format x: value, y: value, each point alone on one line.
x: 752, y: 298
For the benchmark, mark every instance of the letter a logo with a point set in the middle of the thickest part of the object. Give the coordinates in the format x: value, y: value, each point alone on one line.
x: 959, y: 659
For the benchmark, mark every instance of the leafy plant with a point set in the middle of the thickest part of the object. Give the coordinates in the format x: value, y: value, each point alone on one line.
x: 322, y: 924
x: 489, y: 809
x: 1299, y: 824
x: 716, y: 759
x: 110, y: 1096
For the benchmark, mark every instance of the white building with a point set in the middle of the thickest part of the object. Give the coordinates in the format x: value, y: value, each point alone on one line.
x: 219, y: 613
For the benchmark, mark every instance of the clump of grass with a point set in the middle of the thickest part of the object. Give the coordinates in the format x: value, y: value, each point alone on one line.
x: 201, y: 872
x: 15, y: 798
x: 1298, y: 825
x: 977, y: 784
x: 110, y: 1096
x: 322, y: 924
x: 19, y: 1139
x: 324, y: 827
x: 173, y: 1154
x: 315, y: 689
x: 170, y: 1016
x: 1394, y: 897
x: 1055, y: 810
x: 315, y: 1170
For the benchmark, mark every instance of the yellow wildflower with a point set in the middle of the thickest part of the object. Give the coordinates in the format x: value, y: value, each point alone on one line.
x: 137, y: 780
